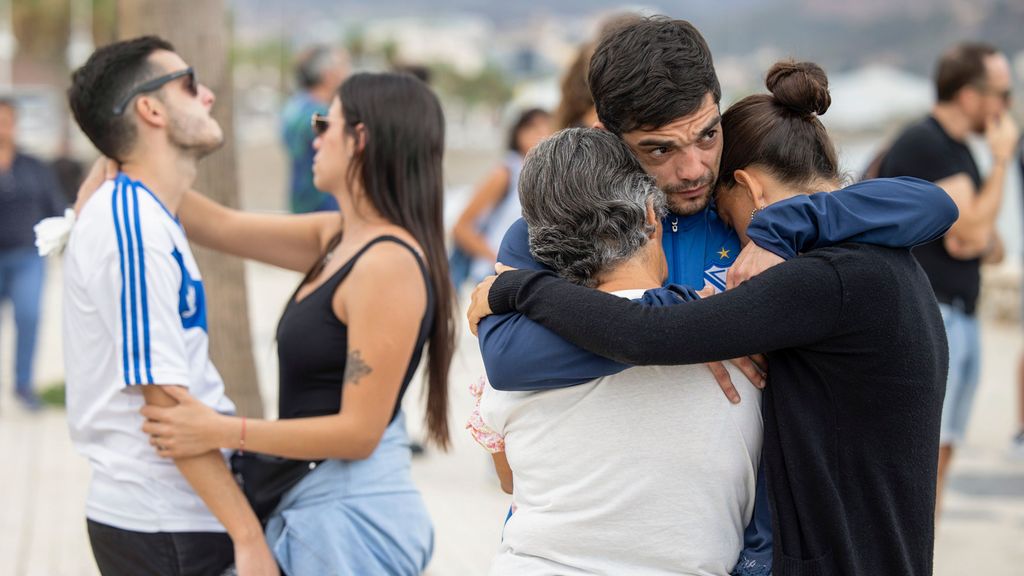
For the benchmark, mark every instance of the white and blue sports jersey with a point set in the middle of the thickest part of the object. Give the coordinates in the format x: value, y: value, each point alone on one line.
x: 699, y: 249
x: 134, y: 314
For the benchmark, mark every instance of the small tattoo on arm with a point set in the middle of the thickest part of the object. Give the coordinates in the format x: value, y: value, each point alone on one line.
x: 355, y: 367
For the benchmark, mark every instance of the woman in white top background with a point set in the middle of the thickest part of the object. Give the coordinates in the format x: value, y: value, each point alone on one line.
x: 494, y: 205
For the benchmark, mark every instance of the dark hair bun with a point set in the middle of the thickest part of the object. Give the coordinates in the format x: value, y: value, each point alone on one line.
x: 800, y: 86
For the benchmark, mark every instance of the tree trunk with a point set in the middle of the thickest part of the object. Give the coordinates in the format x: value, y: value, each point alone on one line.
x: 199, y: 31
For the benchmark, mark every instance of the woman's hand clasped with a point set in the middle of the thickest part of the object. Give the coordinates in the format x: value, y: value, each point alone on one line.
x: 188, y: 429
x: 478, y: 306
x: 752, y: 260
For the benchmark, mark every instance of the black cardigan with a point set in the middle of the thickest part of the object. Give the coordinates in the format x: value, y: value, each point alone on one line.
x: 857, y: 369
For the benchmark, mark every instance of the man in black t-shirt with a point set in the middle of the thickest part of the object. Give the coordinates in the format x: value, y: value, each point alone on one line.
x: 973, y: 96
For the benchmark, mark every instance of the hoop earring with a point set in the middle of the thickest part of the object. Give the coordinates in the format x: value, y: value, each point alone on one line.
x: 754, y: 213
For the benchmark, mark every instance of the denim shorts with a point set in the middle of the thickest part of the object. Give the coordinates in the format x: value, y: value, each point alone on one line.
x: 964, y: 371
x: 355, y: 517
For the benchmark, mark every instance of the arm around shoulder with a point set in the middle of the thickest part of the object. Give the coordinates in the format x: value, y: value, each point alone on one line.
x: 291, y: 241
x: 794, y: 303
x: 894, y: 212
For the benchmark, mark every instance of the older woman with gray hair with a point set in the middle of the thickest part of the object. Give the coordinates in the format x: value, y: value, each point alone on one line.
x: 590, y: 208
x: 648, y: 471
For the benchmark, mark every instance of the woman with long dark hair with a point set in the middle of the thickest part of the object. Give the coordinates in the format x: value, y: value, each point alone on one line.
x: 376, y: 292
x: 853, y: 337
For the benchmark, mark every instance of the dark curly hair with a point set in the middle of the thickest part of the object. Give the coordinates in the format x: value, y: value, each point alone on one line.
x: 649, y: 73
x: 96, y: 87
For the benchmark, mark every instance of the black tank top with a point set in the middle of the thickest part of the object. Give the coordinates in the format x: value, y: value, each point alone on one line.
x: 312, y: 346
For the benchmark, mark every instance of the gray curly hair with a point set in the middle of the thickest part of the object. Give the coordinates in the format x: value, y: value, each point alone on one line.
x: 585, y: 198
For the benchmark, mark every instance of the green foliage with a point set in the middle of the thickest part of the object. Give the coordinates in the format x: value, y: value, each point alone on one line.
x: 355, y: 43
x: 53, y: 395
x: 489, y: 87
x: 274, y: 52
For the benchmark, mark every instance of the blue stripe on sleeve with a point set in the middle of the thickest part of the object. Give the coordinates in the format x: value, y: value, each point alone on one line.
x: 131, y: 285
x: 120, y: 251
x: 142, y: 286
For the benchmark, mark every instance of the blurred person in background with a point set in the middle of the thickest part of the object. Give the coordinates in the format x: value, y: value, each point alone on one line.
x: 319, y: 71
x: 70, y: 172
x: 477, y: 235
x: 29, y: 192
x: 495, y: 203
x: 972, y: 83
x: 576, y: 108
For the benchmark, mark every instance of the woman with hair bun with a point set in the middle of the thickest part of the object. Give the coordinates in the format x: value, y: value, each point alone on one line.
x: 852, y: 334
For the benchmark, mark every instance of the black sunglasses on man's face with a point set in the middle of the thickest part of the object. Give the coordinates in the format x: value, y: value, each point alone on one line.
x: 158, y: 83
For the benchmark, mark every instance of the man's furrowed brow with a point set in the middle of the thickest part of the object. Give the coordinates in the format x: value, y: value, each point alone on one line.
x: 655, y: 142
x: 712, y: 124
x: 664, y: 142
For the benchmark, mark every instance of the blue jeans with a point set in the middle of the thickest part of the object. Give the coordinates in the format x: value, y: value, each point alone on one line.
x: 964, y: 368
x: 21, y: 282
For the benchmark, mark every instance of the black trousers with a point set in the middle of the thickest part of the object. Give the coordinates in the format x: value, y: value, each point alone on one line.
x: 126, y: 553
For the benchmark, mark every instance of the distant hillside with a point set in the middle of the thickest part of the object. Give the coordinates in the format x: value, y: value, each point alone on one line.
x: 836, y: 33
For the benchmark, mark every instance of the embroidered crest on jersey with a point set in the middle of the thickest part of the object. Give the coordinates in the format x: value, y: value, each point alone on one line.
x: 715, y: 275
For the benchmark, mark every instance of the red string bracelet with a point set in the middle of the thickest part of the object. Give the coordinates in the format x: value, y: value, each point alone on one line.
x: 241, y: 441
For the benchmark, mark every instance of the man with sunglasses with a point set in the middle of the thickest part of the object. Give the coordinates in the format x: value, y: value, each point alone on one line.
x: 972, y: 82
x: 135, y: 323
